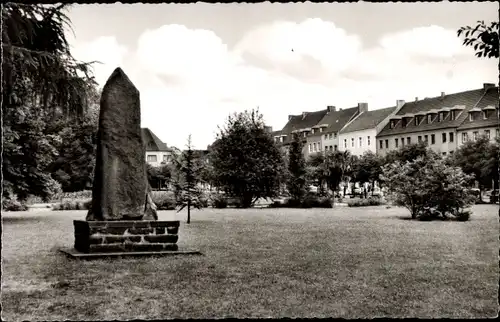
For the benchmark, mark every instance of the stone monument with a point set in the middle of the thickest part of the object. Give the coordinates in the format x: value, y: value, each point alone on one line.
x: 122, y: 218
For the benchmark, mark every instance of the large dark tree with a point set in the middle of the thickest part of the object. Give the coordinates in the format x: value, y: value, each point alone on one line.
x: 41, y: 82
x: 246, y: 161
x: 482, y: 37
x: 296, y: 183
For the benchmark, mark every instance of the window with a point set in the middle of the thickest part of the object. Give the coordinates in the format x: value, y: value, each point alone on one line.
x: 452, y: 115
x: 433, y: 139
x: 352, y: 142
x: 497, y: 134
x: 471, y: 116
x: 419, y: 138
x: 443, y: 137
x: 326, y: 136
x: 314, y: 147
x: 152, y: 158
x: 487, y: 133
x: 444, y: 153
x: 335, y: 148
x: 451, y: 152
x: 319, y: 146
x: 429, y: 119
x: 166, y: 158
x: 391, y: 124
x: 310, y: 148
x: 418, y: 119
x: 321, y: 129
x: 386, y: 144
x: 485, y: 114
x: 368, y: 140
x: 464, y: 137
x: 312, y: 131
x: 330, y: 136
x: 451, y: 136
x: 426, y: 138
x: 402, y: 141
x: 381, y: 143
x: 331, y: 148
x: 345, y: 143
x: 440, y: 116
x: 403, y: 122
x: 305, y: 134
x: 475, y: 135
x: 396, y: 141
x: 408, y: 140
x: 360, y: 142
x: 334, y: 135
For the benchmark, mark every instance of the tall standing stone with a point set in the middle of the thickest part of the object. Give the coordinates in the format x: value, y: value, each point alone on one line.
x: 120, y: 188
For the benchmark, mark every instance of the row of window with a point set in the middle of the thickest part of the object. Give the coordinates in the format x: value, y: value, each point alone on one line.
x: 441, y: 116
x: 330, y: 136
x: 465, y: 138
x: 154, y: 158
x: 360, y: 142
x: 316, y: 147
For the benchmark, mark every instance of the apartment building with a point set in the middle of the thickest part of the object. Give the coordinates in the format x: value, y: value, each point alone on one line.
x: 432, y: 120
x: 482, y: 119
x: 157, y: 152
x: 301, y: 125
x: 327, y: 139
x: 359, y: 135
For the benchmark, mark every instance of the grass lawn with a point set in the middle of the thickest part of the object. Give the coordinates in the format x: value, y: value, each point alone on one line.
x: 343, y: 262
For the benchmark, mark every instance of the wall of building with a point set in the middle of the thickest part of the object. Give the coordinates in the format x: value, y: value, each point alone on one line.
x: 443, y: 148
x: 161, y: 156
x: 481, y: 131
x: 367, y: 136
x: 330, y: 140
x: 312, y: 146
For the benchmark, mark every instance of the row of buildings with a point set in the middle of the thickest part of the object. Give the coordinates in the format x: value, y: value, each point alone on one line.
x: 444, y: 122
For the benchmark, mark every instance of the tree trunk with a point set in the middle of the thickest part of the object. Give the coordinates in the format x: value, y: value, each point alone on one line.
x: 189, y: 211
x: 373, y: 187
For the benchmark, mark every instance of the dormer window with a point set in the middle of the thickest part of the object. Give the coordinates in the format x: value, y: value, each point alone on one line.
x: 429, y: 119
x: 305, y: 134
x: 418, y: 119
x: 321, y: 129
x: 312, y: 131
x: 391, y: 124
x: 486, y: 114
x: 440, y: 116
x: 452, y: 115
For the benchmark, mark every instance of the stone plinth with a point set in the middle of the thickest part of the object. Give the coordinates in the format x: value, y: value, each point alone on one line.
x: 125, y: 236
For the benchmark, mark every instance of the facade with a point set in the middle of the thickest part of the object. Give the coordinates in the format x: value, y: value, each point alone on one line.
x: 304, y: 125
x: 327, y: 138
x: 436, y: 121
x: 482, y: 119
x: 359, y: 135
x: 157, y: 152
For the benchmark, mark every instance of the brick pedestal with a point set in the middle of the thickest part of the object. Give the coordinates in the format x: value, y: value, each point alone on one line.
x: 125, y: 236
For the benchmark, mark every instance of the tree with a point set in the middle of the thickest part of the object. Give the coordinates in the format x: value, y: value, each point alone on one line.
x: 246, y: 161
x: 189, y: 192
x: 41, y: 81
x: 483, y: 38
x: 159, y: 176
x: 426, y: 186
x: 296, y: 183
x: 478, y: 158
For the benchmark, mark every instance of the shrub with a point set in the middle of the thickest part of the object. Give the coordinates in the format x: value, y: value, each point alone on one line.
x: 13, y: 205
x: 72, y: 205
x: 463, y: 215
x: 164, y: 200
x: 365, y: 202
x: 52, y: 190
x: 218, y: 200
x: 310, y: 201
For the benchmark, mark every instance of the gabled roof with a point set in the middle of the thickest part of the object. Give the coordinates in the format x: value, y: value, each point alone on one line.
x: 468, y: 99
x: 336, y: 120
x: 297, y: 122
x: 489, y: 99
x: 152, y: 142
x: 368, y: 120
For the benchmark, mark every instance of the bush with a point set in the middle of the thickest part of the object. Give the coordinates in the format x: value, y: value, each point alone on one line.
x: 365, y: 202
x: 52, y: 190
x: 310, y: 201
x: 463, y: 215
x: 72, y: 205
x: 164, y: 200
x: 13, y: 205
x: 218, y: 201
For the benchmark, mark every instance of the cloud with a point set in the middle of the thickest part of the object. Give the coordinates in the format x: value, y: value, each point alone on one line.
x: 190, y: 80
x: 105, y: 50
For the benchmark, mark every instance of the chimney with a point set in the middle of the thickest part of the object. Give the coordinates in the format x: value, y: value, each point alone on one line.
x: 400, y: 103
x: 330, y: 109
x: 362, y: 107
x: 442, y: 95
x: 304, y: 115
x: 487, y: 86
x: 290, y: 117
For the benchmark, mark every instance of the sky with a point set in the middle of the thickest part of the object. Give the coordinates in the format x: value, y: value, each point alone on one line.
x: 195, y: 64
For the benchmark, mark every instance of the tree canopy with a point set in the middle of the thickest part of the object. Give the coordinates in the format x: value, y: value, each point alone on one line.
x: 482, y: 37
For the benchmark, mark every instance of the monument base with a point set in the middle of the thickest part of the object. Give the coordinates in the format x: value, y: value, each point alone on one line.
x: 73, y: 253
x: 125, y: 236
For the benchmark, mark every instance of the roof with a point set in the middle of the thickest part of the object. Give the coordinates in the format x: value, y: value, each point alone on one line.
x: 468, y: 99
x: 336, y: 120
x: 489, y: 99
x: 368, y: 120
x: 152, y: 142
x: 297, y: 122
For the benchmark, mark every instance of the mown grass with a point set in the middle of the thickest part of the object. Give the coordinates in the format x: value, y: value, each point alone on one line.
x: 342, y: 262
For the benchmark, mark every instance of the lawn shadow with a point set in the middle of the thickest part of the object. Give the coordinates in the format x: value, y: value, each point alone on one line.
x: 20, y: 219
